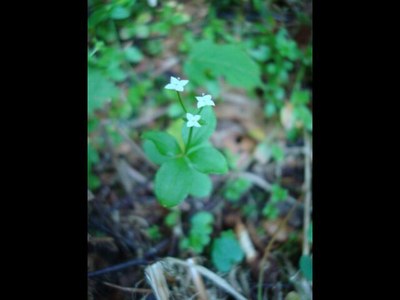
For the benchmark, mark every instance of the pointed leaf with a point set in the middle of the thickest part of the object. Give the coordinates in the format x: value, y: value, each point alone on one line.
x: 173, y: 181
x: 165, y: 143
x: 208, y: 160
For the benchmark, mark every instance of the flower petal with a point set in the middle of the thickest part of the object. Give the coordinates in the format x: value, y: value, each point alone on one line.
x: 183, y: 82
x: 170, y: 86
x: 174, y: 80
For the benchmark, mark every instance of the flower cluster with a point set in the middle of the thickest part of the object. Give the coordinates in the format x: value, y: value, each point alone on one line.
x: 177, y: 84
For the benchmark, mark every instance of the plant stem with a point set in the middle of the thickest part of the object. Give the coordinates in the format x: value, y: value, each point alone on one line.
x: 180, y: 100
x: 189, y: 139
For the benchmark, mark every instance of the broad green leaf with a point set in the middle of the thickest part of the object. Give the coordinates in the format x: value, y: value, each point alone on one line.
x: 153, y: 154
x: 173, y: 181
x: 300, y: 97
x: 175, y: 129
x: 119, y: 13
x: 201, y: 134
x: 133, y: 54
x: 208, y: 160
x: 306, y: 266
x: 201, y: 185
x: 226, y: 251
x: 100, y: 90
x: 229, y: 61
x: 164, y: 142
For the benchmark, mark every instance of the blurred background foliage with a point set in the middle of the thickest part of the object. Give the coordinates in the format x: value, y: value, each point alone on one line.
x: 262, y: 47
x: 260, y: 51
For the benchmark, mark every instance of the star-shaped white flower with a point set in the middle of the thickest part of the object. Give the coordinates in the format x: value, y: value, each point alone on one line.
x: 193, y: 120
x: 176, y: 84
x: 204, y: 100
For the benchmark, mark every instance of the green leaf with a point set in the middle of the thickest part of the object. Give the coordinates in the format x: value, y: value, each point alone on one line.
x: 200, y: 231
x: 154, y: 232
x: 208, y: 160
x: 133, y: 54
x: 100, y: 90
x: 229, y: 61
x: 173, y: 182
x: 172, y: 218
x: 277, y: 153
x: 120, y: 13
x: 310, y: 233
x: 201, y: 134
x: 164, y: 142
x: 303, y: 114
x: 270, y: 211
x: 236, y: 188
x: 300, y: 97
x: 278, y: 193
x: 306, y: 266
x: 153, y: 154
x: 226, y: 251
x: 201, y: 185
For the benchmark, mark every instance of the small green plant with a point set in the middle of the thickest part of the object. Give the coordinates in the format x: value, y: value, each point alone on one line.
x: 222, y: 259
x: 278, y: 194
x: 184, y: 169
x: 236, y: 188
x: 200, y: 231
x: 154, y: 232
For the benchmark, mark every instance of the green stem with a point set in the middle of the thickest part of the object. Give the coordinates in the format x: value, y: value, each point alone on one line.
x: 180, y: 100
x: 189, y: 139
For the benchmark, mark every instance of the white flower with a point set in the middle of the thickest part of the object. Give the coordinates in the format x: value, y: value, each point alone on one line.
x: 193, y: 120
x: 204, y: 101
x: 176, y: 84
x: 152, y: 3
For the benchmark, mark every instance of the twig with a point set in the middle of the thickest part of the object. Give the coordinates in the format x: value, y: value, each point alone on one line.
x: 127, y: 289
x: 155, y: 277
x: 197, y: 280
x: 210, y: 275
x: 307, y: 188
x: 130, y: 263
x: 268, y: 250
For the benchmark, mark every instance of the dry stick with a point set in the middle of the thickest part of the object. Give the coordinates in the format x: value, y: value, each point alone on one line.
x: 210, y: 275
x: 268, y: 250
x: 307, y: 188
x: 126, y: 289
x: 197, y: 280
